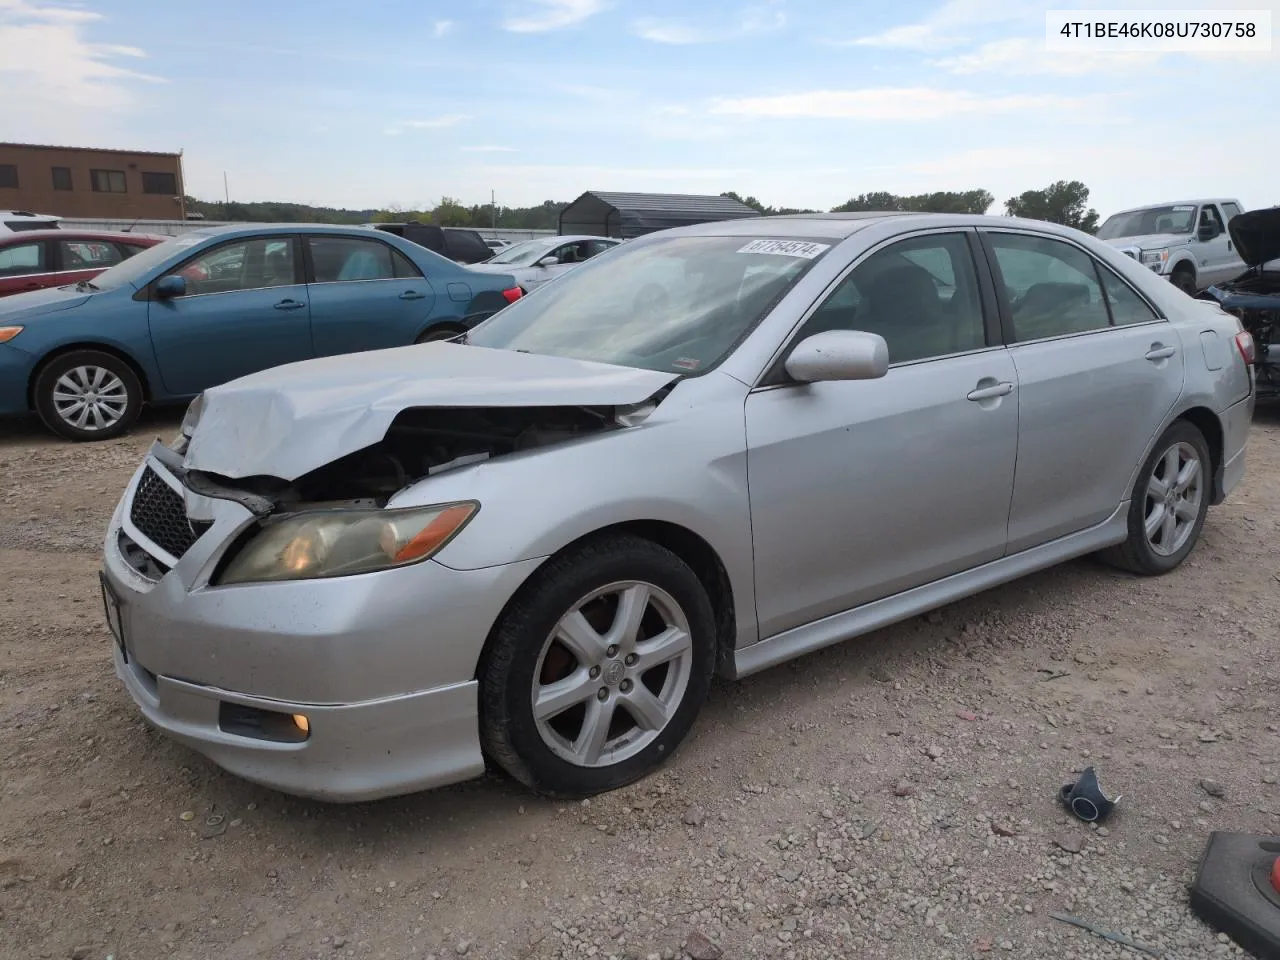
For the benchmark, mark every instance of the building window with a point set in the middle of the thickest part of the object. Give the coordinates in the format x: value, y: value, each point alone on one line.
x: 8, y: 175
x: 62, y: 178
x: 160, y: 183
x: 107, y: 181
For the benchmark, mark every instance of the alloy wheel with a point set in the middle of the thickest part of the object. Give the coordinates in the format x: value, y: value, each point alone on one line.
x: 1174, y: 492
x: 90, y: 398
x: 612, y: 674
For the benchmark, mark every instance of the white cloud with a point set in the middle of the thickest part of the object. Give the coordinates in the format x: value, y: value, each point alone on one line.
x: 1019, y: 56
x: 764, y: 18
x: 886, y: 103
x: 488, y: 148
x: 435, y: 123
x: 48, y: 61
x: 442, y: 27
x: 540, y: 16
x: 948, y: 24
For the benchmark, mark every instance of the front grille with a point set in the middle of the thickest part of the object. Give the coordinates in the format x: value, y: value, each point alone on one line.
x: 160, y: 515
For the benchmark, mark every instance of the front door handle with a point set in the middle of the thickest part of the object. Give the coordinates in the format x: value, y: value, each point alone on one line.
x: 1158, y: 352
x: 1002, y: 389
x: 290, y: 305
x: 412, y: 295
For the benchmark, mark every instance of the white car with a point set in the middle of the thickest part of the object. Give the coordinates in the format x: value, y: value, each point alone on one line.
x: 534, y: 262
x: 13, y: 221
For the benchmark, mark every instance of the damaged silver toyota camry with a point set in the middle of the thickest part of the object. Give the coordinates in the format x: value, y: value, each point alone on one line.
x: 708, y: 450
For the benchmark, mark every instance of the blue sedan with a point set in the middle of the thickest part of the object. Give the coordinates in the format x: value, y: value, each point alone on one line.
x: 216, y: 304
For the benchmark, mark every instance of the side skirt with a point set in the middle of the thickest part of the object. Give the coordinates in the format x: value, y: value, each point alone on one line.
x: 831, y: 630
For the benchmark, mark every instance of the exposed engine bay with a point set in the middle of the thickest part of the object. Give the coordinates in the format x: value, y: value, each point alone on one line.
x: 421, y: 442
x: 1255, y: 299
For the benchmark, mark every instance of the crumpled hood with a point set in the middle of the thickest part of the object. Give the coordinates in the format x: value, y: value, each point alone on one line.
x: 1257, y: 235
x: 35, y: 303
x: 1152, y: 241
x: 289, y: 420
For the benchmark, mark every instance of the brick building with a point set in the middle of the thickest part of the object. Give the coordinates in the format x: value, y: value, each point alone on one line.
x: 81, y: 182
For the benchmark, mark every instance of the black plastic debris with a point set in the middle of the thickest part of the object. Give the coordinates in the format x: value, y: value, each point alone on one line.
x: 1085, y: 798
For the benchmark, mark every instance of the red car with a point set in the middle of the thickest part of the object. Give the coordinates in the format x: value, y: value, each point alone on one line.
x: 32, y: 259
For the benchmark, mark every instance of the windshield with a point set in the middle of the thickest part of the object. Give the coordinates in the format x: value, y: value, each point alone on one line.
x: 677, y: 304
x: 142, y: 263
x: 1178, y: 218
x: 524, y: 254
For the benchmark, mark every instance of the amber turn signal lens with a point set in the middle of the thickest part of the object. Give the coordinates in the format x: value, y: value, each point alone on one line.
x: 8, y: 333
x: 436, y: 532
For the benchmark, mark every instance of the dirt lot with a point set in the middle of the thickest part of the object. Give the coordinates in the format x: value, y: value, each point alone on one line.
x: 890, y: 798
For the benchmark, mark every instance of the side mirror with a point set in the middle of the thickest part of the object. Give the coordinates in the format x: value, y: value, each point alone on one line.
x: 839, y: 355
x: 171, y: 286
x: 1207, y: 231
x: 550, y: 261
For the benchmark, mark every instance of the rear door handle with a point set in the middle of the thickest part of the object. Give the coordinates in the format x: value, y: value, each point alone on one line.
x: 290, y: 305
x: 1002, y: 389
x: 412, y: 295
x: 1160, y: 353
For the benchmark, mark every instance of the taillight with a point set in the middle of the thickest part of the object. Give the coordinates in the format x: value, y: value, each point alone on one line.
x: 515, y: 293
x: 1248, y: 350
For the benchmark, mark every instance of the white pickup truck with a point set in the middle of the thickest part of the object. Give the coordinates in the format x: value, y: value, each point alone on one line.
x: 1186, y: 242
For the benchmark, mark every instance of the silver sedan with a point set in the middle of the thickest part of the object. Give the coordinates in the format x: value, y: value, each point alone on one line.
x: 710, y: 451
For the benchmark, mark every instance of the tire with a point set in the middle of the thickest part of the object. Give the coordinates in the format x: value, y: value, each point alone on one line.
x: 557, y: 756
x: 1142, y: 554
x: 1184, y: 278
x: 113, y: 389
x: 439, y: 333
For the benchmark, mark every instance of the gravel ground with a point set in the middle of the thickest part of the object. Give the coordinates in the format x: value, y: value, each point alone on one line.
x: 890, y: 798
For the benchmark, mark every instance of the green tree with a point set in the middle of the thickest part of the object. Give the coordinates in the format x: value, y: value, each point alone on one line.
x: 1063, y: 201
x: 942, y: 201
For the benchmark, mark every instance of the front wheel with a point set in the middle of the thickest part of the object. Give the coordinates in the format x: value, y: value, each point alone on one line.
x: 88, y: 395
x: 1168, y: 505
x: 1184, y: 278
x: 597, y: 669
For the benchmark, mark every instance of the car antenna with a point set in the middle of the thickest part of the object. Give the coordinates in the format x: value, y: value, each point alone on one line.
x: 130, y: 227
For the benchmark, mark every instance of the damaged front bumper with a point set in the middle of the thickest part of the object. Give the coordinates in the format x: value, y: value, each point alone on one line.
x: 380, y: 666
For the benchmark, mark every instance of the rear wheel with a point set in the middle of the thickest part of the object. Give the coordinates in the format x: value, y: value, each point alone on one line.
x: 1168, y: 504
x: 1184, y: 278
x: 439, y: 333
x: 88, y: 395
x: 598, y: 668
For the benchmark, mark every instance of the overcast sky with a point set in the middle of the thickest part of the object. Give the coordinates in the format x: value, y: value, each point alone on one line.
x: 799, y: 102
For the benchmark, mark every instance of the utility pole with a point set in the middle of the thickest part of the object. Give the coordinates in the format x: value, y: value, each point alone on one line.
x: 493, y: 208
x: 226, y: 197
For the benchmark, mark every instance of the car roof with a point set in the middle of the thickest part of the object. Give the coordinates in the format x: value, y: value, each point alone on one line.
x: 838, y: 226
x: 239, y: 229
x: 1177, y: 203
x: 79, y: 235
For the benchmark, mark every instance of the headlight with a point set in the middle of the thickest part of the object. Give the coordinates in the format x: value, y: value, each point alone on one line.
x: 192, y: 416
x: 340, y: 543
x: 1155, y: 258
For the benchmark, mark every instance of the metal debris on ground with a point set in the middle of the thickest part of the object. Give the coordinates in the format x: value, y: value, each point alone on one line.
x: 1109, y: 935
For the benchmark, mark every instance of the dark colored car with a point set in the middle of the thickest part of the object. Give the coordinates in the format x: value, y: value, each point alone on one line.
x: 1254, y: 296
x: 215, y: 304
x: 35, y: 259
x: 457, y: 243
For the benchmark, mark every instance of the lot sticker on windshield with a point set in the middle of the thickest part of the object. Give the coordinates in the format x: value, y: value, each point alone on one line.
x: 786, y: 248
x: 686, y: 363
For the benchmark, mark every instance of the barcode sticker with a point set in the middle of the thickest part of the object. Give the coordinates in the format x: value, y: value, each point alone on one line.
x: 786, y: 248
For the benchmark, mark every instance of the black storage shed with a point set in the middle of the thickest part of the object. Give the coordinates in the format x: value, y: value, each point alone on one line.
x: 629, y: 215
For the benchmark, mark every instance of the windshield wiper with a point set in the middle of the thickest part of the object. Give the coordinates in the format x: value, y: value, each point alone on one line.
x: 87, y: 285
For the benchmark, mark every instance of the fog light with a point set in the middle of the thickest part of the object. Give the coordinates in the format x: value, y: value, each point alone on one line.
x: 242, y: 721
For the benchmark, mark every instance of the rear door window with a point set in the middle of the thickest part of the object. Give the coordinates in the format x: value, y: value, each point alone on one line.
x: 347, y: 259
x: 467, y: 245
x: 23, y: 258
x: 1051, y: 286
